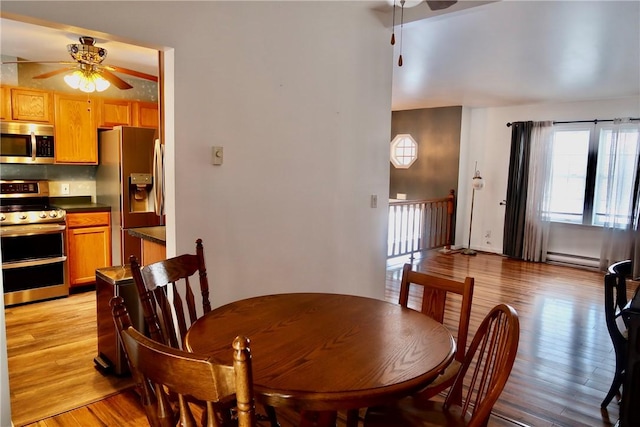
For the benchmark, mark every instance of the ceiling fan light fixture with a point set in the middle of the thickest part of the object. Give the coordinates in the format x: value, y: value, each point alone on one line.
x: 101, y: 83
x: 87, y: 86
x: 87, y: 52
x: 73, y: 79
x: 87, y: 81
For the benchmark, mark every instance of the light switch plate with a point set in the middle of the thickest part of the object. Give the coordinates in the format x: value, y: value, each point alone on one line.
x: 216, y: 155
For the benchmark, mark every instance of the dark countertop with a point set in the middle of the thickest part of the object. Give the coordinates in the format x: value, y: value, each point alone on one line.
x: 152, y: 234
x: 78, y: 204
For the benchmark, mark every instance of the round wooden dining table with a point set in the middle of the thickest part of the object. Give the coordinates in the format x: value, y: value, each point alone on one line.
x: 327, y: 352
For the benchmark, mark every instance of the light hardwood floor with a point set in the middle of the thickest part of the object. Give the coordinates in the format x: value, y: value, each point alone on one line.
x: 563, y: 370
x: 50, y: 348
x: 565, y: 359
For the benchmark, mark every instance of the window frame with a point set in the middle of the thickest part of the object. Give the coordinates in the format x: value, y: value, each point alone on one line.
x: 595, y: 130
x: 393, y: 157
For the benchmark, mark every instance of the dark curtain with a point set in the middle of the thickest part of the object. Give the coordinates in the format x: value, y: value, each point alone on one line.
x: 635, y: 224
x: 517, y: 189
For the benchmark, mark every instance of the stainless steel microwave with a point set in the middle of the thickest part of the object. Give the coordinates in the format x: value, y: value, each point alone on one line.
x: 26, y: 143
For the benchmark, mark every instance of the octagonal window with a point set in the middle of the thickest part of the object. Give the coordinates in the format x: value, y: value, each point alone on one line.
x: 404, y: 151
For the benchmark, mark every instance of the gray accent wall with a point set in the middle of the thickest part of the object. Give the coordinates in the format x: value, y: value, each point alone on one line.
x: 435, y: 172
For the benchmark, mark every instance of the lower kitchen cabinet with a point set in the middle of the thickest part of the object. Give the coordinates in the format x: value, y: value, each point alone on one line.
x: 88, y: 245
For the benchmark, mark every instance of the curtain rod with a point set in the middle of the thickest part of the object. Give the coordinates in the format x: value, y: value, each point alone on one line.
x: 596, y: 121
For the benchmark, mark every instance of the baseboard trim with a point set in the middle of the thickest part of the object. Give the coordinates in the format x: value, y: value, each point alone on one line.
x: 573, y: 260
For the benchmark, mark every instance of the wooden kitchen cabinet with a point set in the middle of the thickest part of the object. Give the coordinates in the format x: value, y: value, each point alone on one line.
x: 114, y: 112
x: 145, y: 114
x: 88, y: 245
x: 118, y: 112
x: 152, y: 252
x: 5, y: 103
x: 75, y: 130
x: 31, y: 105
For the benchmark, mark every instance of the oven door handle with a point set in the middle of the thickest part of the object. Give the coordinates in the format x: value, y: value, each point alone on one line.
x: 33, y: 263
x: 19, y: 231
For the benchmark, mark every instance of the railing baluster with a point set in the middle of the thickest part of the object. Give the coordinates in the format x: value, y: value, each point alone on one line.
x: 420, y: 225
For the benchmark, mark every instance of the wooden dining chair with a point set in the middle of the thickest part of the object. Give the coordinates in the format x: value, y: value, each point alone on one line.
x: 615, y: 299
x: 480, y: 381
x: 434, y: 304
x: 622, y: 270
x: 160, y: 370
x: 165, y: 288
x: 167, y: 292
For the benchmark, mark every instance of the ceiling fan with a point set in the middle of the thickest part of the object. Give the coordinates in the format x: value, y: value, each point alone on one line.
x: 440, y: 4
x: 87, y: 63
x: 433, y: 5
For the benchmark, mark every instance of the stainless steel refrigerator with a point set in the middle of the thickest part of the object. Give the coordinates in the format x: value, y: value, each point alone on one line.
x: 125, y: 181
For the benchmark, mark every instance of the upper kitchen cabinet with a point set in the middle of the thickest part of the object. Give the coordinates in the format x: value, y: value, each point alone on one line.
x: 145, y: 114
x: 5, y: 103
x: 75, y: 130
x: 31, y: 105
x: 120, y: 112
x: 114, y: 112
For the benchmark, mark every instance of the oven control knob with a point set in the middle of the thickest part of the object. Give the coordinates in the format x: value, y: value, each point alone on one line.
x: 53, y: 214
x: 2, y: 217
x: 43, y: 215
x: 23, y: 216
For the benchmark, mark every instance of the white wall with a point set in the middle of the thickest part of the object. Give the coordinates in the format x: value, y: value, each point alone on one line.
x: 488, y: 141
x: 299, y: 95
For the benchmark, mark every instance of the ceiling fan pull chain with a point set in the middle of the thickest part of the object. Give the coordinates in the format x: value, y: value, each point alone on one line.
x: 401, y: 29
x: 393, y: 25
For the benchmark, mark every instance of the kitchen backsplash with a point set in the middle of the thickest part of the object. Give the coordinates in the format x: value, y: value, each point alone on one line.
x: 80, y: 179
x: 76, y: 188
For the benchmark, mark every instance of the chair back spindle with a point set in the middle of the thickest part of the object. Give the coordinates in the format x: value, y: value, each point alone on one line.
x: 487, y: 365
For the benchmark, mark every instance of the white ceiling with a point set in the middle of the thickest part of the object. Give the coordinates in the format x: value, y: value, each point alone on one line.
x: 38, y: 43
x: 520, y: 52
x: 476, y: 53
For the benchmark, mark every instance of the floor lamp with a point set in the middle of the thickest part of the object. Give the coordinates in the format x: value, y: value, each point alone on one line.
x: 476, y: 183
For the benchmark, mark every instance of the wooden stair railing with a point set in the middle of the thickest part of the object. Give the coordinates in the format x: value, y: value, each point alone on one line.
x: 420, y: 225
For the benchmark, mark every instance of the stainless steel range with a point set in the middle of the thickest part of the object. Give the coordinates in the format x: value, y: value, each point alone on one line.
x: 32, y: 234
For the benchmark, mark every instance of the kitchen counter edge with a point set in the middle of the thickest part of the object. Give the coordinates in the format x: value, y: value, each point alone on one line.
x: 152, y: 234
x: 82, y: 207
x: 78, y: 204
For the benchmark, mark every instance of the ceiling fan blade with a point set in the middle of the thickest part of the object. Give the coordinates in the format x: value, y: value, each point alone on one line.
x: 115, y: 80
x: 39, y: 62
x: 54, y: 73
x: 130, y: 72
x: 440, y: 4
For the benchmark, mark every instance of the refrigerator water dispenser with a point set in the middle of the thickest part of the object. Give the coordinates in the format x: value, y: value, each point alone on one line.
x: 141, y: 192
